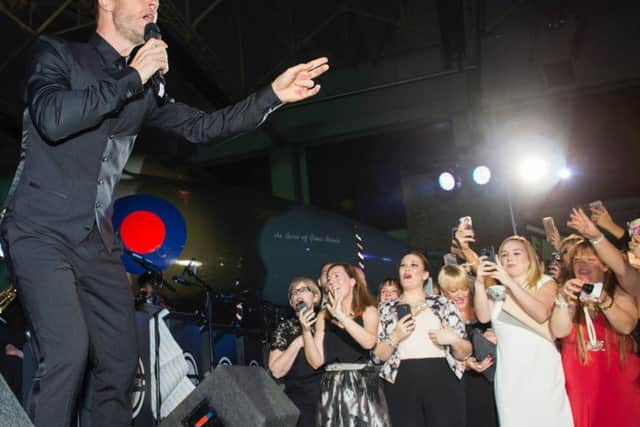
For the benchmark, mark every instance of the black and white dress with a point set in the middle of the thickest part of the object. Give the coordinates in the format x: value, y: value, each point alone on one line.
x: 352, y: 394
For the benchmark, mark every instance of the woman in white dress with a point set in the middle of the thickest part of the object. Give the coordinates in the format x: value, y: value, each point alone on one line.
x: 529, y: 380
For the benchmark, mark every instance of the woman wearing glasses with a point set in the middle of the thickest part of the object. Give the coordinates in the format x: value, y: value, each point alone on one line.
x: 286, y: 359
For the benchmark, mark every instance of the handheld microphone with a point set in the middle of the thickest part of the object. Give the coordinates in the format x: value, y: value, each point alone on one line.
x: 152, y: 31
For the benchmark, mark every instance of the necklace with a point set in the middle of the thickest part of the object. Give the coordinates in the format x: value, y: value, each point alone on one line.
x: 417, y: 308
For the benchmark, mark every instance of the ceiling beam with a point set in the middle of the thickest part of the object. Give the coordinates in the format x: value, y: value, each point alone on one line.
x: 35, y: 34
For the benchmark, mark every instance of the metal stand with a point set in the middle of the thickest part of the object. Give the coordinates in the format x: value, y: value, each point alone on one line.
x: 211, y: 294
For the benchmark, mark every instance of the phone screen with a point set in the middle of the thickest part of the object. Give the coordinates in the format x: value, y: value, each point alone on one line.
x: 402, y: 310
x: 549, y: 226
x: 450, y: 259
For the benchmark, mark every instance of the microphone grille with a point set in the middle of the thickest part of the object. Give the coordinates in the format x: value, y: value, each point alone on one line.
x: 152, y: 31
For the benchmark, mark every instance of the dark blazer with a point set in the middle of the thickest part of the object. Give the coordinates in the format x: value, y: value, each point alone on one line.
x: 84, y: 109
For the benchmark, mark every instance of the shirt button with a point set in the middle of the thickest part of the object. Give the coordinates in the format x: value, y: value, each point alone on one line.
x: 100, y: 181
x: 111, y: 137
x: 104, y: 159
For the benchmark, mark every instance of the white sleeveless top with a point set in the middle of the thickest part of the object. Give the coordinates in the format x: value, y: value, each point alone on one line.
x: 529, y: 381
x: 418, y: 345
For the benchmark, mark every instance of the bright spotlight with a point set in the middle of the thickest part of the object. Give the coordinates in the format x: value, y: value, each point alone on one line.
x: 447, y: 181
x: 533, y: 168
x: 565, y: 173
x: 481, y: 175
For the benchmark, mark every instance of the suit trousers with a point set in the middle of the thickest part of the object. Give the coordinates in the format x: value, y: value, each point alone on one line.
x: 79, y: 305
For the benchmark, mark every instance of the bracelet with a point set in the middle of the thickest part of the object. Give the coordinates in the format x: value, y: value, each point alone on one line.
x: 391, y: 342
x: 597, y: 240
x: 560, y: 303
x: 603, y: 309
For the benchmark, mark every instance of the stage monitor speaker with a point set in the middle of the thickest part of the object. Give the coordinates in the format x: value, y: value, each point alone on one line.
x: 11, y: 413
x: 240, y: 396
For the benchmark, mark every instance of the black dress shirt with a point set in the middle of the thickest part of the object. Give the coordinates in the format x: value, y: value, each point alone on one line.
x: 84, y: 109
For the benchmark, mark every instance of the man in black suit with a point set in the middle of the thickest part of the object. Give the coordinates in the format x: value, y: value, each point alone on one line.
x: 84, y: 108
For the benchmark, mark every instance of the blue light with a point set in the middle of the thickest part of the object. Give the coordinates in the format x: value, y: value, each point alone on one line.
x: 447, y: 181
x: 481, y: 175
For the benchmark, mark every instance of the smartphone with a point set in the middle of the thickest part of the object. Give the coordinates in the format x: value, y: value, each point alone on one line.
x: 301, y: 306
x: 402, y: 310
x: 489, y: 252
x: 549, y: 227
x: 466, y: 222
x: 450, y: 259
x: 596, y: 206
x: 555, y: 259
x: 591, y: 290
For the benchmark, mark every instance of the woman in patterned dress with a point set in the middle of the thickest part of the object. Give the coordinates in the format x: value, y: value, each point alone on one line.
x: 423, y: 353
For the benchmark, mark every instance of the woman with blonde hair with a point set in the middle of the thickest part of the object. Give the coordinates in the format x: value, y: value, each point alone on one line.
x: 455, y: 284
x: 286, y: 358
x: 529, y: 380
x: 345, y: 332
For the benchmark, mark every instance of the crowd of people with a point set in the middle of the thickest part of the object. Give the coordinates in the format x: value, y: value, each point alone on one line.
x: 508, y: 340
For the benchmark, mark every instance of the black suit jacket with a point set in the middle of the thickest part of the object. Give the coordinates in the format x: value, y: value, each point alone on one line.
x: 84, y: 108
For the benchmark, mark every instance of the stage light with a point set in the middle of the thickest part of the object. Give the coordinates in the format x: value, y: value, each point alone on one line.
x: 533, y: 168
x: 565, y: 173
x: 447, y: 181
x: 481, y: 175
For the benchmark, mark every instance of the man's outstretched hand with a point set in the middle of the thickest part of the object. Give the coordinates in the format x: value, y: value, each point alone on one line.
x: 296, y: 83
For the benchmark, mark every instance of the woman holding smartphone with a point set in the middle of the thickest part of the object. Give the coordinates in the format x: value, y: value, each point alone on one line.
x: 529, y: 380
x: 594, y: 318
x: 286, y: 358
x: 478, y: 377
x: 421, y: 340
x: 345, y: 332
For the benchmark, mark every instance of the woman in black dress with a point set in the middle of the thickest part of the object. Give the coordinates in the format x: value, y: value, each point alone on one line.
x: 287, y: 361
x: 344, y: 333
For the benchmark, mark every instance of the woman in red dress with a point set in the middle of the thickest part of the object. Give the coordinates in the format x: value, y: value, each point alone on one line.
x: 601, y: 370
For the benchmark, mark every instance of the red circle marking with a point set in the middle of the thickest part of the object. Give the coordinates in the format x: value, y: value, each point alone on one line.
x: 142, y: 232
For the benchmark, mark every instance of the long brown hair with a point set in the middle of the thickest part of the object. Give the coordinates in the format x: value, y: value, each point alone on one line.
x: 609, y: 286
x: 361, y: 296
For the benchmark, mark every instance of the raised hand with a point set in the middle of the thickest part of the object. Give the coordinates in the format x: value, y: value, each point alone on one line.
x: 307, y: 318
x: 554, y: 238
x: 334, y: 305
x: 600, y: 216
x: 404, y: 328
x: 296, y: 83
x: 580, y: 222
x: 485, y: 269
x: 570, y: 291
x: 501, y: 275
x: 464, y: 236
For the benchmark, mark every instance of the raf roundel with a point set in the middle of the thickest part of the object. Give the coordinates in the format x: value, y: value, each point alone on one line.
x: 150, y: 227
